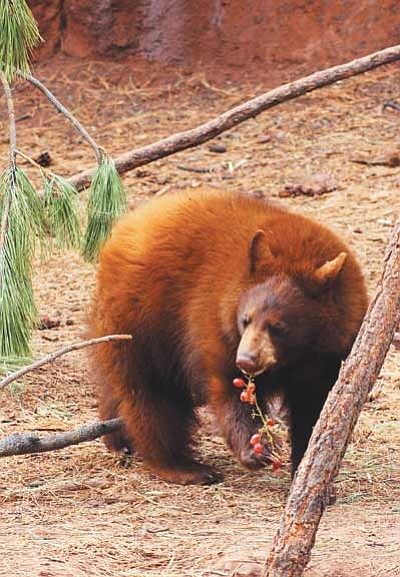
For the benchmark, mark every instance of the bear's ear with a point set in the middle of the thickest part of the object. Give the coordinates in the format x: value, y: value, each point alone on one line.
x: 260, y: 252
x: 327, y: 273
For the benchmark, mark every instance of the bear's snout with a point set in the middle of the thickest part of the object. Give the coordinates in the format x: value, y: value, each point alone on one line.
x: 246, y: 363
x: 256, y: 352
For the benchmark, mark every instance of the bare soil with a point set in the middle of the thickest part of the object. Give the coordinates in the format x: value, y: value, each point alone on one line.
x: 83, y: 512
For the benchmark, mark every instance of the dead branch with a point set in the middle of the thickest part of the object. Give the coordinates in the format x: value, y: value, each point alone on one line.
x: 307, y: 498
x: 234, y: 116
x: 53, y: 356
x: 22, y: 444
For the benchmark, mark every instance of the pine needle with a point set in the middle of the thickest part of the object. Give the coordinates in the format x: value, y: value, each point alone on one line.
x: 61, y: 210
x: 19, y: 34
x: 107, y: 202
x: 9, y: 365
x: 25, y: 222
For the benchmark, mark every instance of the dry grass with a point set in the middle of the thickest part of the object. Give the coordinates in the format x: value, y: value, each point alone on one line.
x: 80, y: 512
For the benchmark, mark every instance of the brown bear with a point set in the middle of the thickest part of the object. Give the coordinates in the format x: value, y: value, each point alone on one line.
x: 210, y: 285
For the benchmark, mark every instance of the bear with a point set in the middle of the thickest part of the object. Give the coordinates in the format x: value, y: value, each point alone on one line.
x: 212, y: 285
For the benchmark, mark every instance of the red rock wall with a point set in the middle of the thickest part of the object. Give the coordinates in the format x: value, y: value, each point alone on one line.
x: 232, y: 33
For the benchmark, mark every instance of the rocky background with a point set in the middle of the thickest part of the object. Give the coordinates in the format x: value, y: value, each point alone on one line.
x: 231, y: 33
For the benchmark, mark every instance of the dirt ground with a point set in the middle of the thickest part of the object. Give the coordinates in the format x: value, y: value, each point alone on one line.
x: 80, y: 511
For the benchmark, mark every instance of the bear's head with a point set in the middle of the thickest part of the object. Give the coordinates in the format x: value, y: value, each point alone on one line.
x: 286, y: 315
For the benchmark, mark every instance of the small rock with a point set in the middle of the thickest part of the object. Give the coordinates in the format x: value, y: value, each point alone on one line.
x: 48, y: 323
x: 263, y: 138
x: 220, y: 148
x: 281, y: 135
x: 315, y: 186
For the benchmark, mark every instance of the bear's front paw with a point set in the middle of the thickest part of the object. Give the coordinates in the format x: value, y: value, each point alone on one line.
x: 253, y: 461
x: 262, y: 450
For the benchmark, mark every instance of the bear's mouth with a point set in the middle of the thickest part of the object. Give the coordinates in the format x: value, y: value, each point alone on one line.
x: 255, y: 372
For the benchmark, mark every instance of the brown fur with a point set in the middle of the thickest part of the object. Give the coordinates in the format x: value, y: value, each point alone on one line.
x: 178, y: 274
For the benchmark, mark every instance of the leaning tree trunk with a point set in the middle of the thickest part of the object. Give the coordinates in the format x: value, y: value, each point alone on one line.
x: 308, y: 495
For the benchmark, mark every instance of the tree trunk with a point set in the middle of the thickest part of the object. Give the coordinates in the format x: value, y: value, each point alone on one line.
x: 308, y: 495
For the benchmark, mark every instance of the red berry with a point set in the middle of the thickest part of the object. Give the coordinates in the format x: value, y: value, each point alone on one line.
x: 276, y: 465
x: 251, y: 387
x: 251, y: 399
x: 238, y: 383
x: 255, y: 439
x: 270, y: 422
x: 244, y: 397
x: 258, y: 448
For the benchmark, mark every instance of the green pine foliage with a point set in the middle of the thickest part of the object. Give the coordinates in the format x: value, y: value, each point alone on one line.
x: 25, y: 218
x: 61, y: 210
x: 22, y: 220
x: 107, y: 201
x: 9, y: 365
x: 19, y: 34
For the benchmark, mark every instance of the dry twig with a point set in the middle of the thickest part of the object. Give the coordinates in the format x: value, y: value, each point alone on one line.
x: 53, y: 356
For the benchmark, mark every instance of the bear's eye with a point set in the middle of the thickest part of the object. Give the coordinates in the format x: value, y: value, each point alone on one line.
x: 246, y: 320
x: 277, y: 329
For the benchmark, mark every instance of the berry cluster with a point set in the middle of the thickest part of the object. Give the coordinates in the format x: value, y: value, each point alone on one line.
x: 248, y: 395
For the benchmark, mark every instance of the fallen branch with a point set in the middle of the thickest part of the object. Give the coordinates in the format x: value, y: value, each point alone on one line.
x: 53, y: 356
x: 307, y: 498
x: 22, y: 444
x: 235, y: 116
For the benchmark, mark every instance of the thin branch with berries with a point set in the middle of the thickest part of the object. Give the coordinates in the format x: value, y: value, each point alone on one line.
x: 268, y: 428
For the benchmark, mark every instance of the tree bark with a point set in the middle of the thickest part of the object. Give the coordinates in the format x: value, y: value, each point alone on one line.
x: 233, y: 117
x: 307, y: 498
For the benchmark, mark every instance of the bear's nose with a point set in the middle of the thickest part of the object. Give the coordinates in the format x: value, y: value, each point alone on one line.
x: 246, y: 363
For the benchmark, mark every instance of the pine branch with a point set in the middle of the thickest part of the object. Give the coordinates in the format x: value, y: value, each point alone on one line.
x: 5, y: 204
x: 107, y: 202
x: 61, y: 108
x: 107, y: 199
x: 61, y: 210
x: 21, y: 220
x: 19, y: 35
x: 11, y: 117
x: 250, y: 109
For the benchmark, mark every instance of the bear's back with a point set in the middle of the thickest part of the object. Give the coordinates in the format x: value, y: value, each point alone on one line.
x: 175, y: 243
x: 187, y: 255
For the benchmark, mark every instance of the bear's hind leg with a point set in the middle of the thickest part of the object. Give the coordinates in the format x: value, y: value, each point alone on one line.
x: 119, y: 441
x: 161, y: 429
